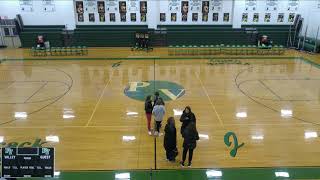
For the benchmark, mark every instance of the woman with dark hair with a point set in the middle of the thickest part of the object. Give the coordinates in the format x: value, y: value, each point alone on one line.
x: 148, y: 107
x: 190, y: 136
x: 187, y: 117
x: 170, y: 140
x: 157, y: 97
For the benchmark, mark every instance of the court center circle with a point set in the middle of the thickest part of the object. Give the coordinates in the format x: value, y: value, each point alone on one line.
x: 140, y: 90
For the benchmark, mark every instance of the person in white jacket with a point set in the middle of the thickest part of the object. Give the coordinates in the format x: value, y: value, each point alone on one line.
x: 158, y: 112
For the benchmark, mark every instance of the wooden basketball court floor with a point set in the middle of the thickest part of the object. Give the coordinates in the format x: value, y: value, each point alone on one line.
x: 79, y: 107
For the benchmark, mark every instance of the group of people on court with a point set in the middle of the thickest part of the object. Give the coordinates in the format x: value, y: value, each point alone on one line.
x: 188, y: 129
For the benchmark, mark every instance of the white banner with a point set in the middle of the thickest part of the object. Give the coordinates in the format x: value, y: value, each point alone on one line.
x: 174, y: 5
x: 90, y: 5
x: 48, y: 5
x: 195, y: 5
x: 251, y: 5
x: 216, y: 5
x: 293, y: 5
x: 271, y: 5
x: 112, y: 5
x: 26, y: 5
x: 133, y: 5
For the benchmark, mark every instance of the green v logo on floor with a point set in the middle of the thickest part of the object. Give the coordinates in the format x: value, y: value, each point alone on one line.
x: 140, y: 90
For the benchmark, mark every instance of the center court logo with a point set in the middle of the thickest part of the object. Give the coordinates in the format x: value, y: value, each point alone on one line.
x: 140, y: 90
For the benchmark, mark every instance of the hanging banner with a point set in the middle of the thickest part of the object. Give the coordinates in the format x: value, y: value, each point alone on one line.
x: 133, y: 5
x: 216, y: 5
x: 251, y: 5
x: 48, y: 5
x: 205, y: 7
x: 271, y: 5
x: 195, y: 5
x: 26, y: 5
x: 112, y: 5
x: 90, y: 5
x: 174, y: 5
x: 293, y: 5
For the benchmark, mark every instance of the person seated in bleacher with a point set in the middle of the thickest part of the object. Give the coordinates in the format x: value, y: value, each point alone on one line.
x: 264, y: 42
x: 40, y: 41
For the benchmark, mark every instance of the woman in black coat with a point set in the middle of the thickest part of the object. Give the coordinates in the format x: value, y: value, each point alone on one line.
x: 170, y: 140
x: 187, y: 117
x: 148, y: 107
x: 190, y: 136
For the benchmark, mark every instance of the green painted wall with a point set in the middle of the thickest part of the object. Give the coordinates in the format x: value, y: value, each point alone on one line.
x: 53, y: 34
x: 123, y: 36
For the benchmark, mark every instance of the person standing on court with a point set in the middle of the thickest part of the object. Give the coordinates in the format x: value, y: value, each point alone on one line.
x: 157, y: 97
x: 170, y: 140
x: 148, y: 107
x: 187, y: 117
x: 158, y: 112
x: 190, y: 136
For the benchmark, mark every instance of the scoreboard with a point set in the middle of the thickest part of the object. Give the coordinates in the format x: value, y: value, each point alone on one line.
x: 27, y: 162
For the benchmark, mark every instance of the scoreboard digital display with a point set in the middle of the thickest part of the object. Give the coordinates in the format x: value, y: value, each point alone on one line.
x: 27, y: 162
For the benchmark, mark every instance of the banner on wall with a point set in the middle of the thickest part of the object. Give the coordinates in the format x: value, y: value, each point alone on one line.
x: 90, y: 5
x: 112, y: 5
x: 101, y: 11
x: 174, y: 5
x: 205, y: 7
x: 251, y: 5
x: 143, y: 11
x: 216, y: 5
x: 79, y: 10
x: 48, y: 6
x: 133, y: 5
x: 184, y: 10
x: 26, y: 5
x: 293, y: 5
x: 195, y: 5
x: 271, y: 5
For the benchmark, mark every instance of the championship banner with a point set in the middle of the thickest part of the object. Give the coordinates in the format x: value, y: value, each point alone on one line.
x: 251, y: 5
x: 48, y: 5
x: 195, y: 5
x: 216, y: 5
x: 293, y: 5
x: 271, y: 5
x: 133, y: 5
x: 174, y: 5
x: 112, y: 5
x: 90, y: 5
x: 26, y: 5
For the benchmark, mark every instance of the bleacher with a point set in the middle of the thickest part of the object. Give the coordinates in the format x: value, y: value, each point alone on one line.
x: 224, y: 34
x: 106, y: 36
x: 53, y: 34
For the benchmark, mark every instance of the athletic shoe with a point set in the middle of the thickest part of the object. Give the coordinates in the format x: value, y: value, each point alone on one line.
x: 182, y: 164
x: 189, y: 165
x: 156, y: 133
x: 150, y: 133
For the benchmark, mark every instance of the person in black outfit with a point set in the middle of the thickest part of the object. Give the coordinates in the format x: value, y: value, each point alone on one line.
x: 187, y: 117
x: 170, y: 140
x: 190, y: 135
x: 148, y: 107
x: 156, y: 98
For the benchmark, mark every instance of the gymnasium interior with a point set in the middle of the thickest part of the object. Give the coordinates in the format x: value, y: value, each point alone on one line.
x: 75, y: 76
